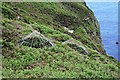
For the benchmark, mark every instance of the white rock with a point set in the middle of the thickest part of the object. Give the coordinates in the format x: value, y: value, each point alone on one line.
x: 18, y: 17
x: 68, y: 30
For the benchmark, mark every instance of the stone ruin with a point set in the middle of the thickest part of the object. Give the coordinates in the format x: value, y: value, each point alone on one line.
x: 36, y: 40
x: 76, y: 46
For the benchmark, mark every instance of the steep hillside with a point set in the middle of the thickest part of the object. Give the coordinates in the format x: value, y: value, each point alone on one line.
x: 53, y: 40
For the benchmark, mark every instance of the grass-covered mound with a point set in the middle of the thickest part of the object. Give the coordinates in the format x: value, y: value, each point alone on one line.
x: 54, y: 21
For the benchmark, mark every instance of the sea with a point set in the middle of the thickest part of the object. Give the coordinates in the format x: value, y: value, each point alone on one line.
x: 107, y: 15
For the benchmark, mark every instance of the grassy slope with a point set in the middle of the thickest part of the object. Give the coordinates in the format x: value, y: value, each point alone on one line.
x: 59, y: 61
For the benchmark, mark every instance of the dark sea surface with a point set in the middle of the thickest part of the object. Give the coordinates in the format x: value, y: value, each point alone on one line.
x: 107, y: 15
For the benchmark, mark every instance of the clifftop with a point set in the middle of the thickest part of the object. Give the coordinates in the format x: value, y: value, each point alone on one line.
x: 74, y: 24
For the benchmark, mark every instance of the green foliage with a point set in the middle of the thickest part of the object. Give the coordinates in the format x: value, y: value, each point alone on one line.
x: 60, y: 37
x: 51, y: 33
x: 8, y: 13
x: 61, y: 60
x: 77, y: 48
x: 57, y: 62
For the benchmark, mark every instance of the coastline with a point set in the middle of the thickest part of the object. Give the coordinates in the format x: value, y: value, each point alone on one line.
x: 108, y: 25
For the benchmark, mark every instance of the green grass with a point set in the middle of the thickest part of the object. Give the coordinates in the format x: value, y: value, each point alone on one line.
x: 58, y: 62
x: 61, y: 60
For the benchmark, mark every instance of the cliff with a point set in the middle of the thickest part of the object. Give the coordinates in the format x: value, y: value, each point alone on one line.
x: 53, y: 40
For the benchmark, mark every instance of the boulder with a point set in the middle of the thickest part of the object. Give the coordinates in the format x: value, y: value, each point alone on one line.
x: 117, y: 42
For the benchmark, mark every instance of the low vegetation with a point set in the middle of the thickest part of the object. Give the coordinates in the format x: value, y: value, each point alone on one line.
x: 61, y: 60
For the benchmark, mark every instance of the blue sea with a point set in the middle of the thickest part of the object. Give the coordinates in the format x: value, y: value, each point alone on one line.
x: 107, y: 15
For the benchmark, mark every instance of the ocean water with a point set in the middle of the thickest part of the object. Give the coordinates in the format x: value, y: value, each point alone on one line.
x: 107, y: 15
